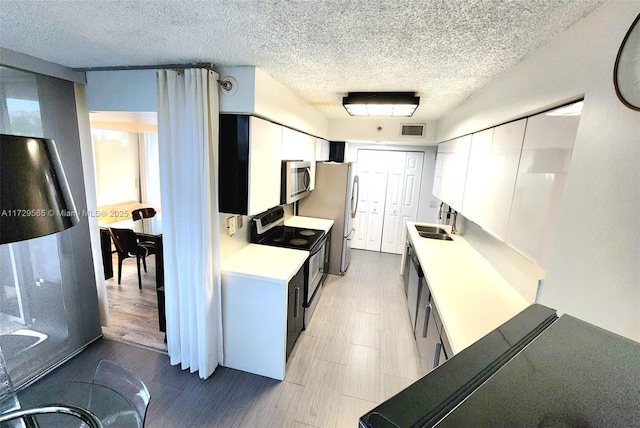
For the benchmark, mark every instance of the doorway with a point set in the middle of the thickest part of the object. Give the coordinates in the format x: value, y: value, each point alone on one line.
x: 390, y: 190
x: 127, y: 177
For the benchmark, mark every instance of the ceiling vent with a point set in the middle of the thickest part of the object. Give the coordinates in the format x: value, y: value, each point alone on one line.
x: 413, y: 130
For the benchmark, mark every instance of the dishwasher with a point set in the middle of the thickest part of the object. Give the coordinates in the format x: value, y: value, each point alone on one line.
x: 407, y: 266
x: 414, y: 288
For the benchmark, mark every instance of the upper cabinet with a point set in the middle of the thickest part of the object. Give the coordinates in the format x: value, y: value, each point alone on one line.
x: 477, y: 176
x: 513, y: 184
x: 491, y: 176
x: 546, y: 155
x: 250, y: 162
x: 451, y: 171
x: 299, y: 146
x: 322, y: 150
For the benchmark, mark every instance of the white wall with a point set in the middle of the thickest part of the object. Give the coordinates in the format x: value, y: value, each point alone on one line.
x: 242, y: 98
x: 277, y: 103
x: 521, y: 272
x: 594, y: 270
x: 229, y: 245
x: 425, y: 212
x: 126, y: 90
x: 259, y: 94
x: 366, y: 128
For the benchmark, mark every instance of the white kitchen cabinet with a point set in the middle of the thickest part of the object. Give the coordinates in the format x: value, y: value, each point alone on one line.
x: 299, y: 146
x: 255, y: 300
x: 322, y: 150
x: 491, y: 176
x: 539, y: 189
x: 451, y: 171
x: 476, y: 182
x: 250, y: 164
x: 265, y: 165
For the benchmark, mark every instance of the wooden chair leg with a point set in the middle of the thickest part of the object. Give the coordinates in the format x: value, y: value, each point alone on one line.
x: 144, y: 263
x: 139, y: 277
x: 119, y: 269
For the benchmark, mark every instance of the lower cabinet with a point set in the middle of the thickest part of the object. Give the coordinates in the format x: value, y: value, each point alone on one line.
x: 429, y: 333
x: 295, y: 310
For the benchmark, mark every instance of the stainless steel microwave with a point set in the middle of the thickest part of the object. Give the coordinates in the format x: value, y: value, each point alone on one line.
x: 296, y: 180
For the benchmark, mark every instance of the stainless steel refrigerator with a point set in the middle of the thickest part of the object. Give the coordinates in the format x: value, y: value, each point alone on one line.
x: 335, y: 197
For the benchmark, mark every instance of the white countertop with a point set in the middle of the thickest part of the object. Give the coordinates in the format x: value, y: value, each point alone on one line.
x: 265, y: 263
x: 471, y: 297
x: 309, y: 223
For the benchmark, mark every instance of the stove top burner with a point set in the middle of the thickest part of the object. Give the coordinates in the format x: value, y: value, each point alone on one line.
x: 268, y: 229
x: 291, y: 237
x: 298, y: 241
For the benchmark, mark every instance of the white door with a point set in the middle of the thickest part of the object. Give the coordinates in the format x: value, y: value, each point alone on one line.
x: 393, y: 208
x: 372, y: 173
x: 390, y: 188
x: 403, y: 192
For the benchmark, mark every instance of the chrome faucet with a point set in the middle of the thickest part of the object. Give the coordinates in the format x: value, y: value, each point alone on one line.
x: 453, y: 223
x: 448, y: 214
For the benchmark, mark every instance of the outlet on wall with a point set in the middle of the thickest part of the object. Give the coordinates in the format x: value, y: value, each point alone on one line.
x: 231, y: 225
x: 433, y: 204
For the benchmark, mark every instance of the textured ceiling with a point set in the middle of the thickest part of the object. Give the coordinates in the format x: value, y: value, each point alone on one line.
x: 320, y: 49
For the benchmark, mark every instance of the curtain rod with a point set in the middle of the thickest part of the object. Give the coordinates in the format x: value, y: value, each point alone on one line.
x: 147, y: 67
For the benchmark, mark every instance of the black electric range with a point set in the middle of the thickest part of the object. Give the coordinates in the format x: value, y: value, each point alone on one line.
x: 268, y: 229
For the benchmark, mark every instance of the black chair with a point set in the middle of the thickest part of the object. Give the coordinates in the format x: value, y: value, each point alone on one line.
x: 127, y: 246
x: 141, y: 213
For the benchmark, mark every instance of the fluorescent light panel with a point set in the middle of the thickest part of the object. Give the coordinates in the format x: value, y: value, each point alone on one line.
x: 381, y: 103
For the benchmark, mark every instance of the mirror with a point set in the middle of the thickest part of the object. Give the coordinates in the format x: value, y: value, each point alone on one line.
x: 626, y: 73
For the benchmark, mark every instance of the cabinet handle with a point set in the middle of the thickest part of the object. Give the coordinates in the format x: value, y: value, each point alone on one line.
x: 426, y: 320
x: 436, y: 357
x: 296, y: 293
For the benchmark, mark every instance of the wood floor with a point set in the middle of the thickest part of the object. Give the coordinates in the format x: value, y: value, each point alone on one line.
x: 357, y: 352
x: 133, y: 313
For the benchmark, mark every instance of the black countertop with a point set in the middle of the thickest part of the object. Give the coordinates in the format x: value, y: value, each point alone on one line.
x: 572, y: 375
x: 534, y: 370
x: 430, y: 398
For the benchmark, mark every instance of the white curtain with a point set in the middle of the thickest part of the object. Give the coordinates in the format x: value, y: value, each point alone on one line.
x: 149, y: 170
x: 188, y: 145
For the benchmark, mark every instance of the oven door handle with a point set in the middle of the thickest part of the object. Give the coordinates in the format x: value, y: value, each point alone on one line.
x: 318, y: 246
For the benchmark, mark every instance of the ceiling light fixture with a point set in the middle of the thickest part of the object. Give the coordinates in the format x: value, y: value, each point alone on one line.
x: 381, y: 103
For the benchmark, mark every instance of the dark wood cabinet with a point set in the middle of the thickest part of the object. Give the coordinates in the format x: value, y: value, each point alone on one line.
x: 295, y: 310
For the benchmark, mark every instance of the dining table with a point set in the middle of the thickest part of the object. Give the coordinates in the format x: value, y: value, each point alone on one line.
x: 146, y: 229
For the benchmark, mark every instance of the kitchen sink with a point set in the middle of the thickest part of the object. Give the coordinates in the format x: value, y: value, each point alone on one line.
x: 431, y: 229
x: 441, y: 236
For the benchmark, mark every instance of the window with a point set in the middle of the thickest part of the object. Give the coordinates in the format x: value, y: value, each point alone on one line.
x: 117, y: 166
x: 20, y: 107
x: 127, y: 166
x: 43, y: 281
